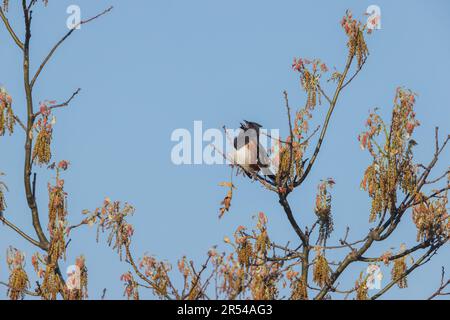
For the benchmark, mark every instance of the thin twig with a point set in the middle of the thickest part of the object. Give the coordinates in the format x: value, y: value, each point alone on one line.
x: 442, y: 286
x: 61, y: 105
x: 355, y: 74
x: 20, y: 232
x: 10, y: 30
x: 20, y: 123
x: 55, y: 47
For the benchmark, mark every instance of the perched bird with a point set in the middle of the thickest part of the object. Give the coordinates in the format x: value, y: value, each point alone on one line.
x: 249, y: 154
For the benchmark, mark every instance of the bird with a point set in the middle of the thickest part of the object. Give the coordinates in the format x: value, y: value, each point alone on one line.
x: 249, y: 154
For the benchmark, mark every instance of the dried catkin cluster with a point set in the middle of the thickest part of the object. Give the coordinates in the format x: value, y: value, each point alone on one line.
x: 310, y: 84
x: 380, y: 181
x: 247, y: 269
x: 52, y: 283
x: 44, y: 128
x: 37, y: 261
x: 356, y: 42
x: 398, y: 271
x: 2, y: 200
x: 262, y: 244
x: 191, y: 283
x: 81, y: 264
x: 76, y: 288
x: 248, y: 253
x: 392, y: 168
x: 321, y: 272
x: 7, y: 119
x: 323, y: 210
x: 245, y: 253
x: 158, y: 272
x: 3, y: 188
x: 232, y: 275
x: 42, y: 150
x: 361, y: 288
x: 57, y: 216
x: 264, y: 282
x: 111, y: 217
x: 299, y: 290
x: 284, y: 165
x: 131, y: 286
x: 310, y: 79
x: 431, y: 218
x: 287, y: 169
x: 57, y: 205
x: 18, y: 279
x: 57, y: 248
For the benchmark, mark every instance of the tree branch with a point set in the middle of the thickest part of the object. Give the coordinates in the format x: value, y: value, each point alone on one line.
x: 287, y: 209
x: 423, y: 259
x: 61, y: 105
x: 31, y: 200
x: 20, y: 232
x: 355, y: 74
x: 20, y: 123
x: 422, y: 245
x: 56, y: 46
x: 10, y: 30
x: 443, y: 285
x: 139, y: 273
x: 34, y: 294
x: 327, y: 121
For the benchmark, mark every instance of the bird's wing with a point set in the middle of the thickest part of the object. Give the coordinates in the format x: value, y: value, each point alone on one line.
x: 252, y: 148
x: 265, y: 162
x: 263, y: 158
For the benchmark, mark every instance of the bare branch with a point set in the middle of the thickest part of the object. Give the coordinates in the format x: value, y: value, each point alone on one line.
x: 285, y: 204
x: 439, y: 178
x: 61, y: 105
x: 10, y: 30
x: 356, y: 73
x: 20, y: 123
x: 55, y: 47
x: 20, y: 232
x: 31, y: 200
x: 422, y: 245
x: 322, y: 92
x: 442, y: 286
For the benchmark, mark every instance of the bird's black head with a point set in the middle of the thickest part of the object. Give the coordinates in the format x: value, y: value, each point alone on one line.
x: 250, y: 125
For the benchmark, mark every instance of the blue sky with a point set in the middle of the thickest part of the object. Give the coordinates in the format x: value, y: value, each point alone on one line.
x: 151, y: 67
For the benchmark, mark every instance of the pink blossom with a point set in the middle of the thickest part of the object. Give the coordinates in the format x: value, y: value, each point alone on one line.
x: 64, y: 165
x: 297, y: 65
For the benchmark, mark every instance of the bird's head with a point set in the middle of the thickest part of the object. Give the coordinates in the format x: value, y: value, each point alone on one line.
x: 250, y: 125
